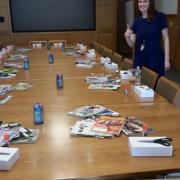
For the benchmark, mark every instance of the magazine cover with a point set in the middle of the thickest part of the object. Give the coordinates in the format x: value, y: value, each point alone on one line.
x: 84, y: 128
x: 136, y: 127
x: 92, y: 110
x: 109, y: 124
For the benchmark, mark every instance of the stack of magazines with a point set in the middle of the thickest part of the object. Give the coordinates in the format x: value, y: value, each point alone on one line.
x: 97, y: 121
x: 14, y: 133
x: 102, y: 82
x: 136, y: 127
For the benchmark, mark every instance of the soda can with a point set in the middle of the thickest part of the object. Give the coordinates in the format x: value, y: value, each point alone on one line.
x: 38, y: 113
x: 51, y: 58
x: 26, y: 63
x: 59, y: 81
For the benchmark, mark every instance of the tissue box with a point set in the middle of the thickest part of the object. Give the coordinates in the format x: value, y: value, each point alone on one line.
x: 144, y: 91
x: 148, y: 149
x: 111, y: 66
x: 8, y: 157
x: 125, y: 74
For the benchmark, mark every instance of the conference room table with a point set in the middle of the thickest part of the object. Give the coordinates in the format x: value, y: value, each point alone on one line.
x: 57, y: 154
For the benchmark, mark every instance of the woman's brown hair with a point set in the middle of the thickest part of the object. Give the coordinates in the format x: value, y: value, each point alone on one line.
x: 151, y: 10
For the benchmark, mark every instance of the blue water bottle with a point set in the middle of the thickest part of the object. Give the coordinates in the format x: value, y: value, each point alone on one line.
x: 59, y: 81
x: 38, y: 113
x: 26, y: 63
x: 63, y: 47
x: 51, y: 58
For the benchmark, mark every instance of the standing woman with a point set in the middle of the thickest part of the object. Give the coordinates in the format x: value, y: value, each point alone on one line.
x: 145, y: 36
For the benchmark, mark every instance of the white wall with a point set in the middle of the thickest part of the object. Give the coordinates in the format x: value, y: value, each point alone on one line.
x: 167, y: 6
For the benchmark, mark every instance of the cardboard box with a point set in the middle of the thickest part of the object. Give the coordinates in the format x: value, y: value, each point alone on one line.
x: 144, y: 91
x: 138, y: 148
x: 8, y: 157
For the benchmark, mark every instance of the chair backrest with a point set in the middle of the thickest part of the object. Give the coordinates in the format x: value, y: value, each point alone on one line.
x: 126, y: 64
x: 100, y: 49
x: 169, y: 90
x: 94, y: 45
x: 176, y: 100
x: 149, y: 77
x: 117, y: 58
x: 107, y: 53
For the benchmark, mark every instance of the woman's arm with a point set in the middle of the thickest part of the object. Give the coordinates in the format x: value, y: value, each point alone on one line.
x: 166, y: 48
x: 130, y: 37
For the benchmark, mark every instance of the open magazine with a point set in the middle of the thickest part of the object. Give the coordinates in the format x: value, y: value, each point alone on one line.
x: 136, y: 127
x: 92, y: 110
x: 109, y: 124
x: 84, y: 128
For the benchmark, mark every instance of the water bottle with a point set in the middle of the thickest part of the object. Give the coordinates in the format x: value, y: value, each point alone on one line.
x: 38, y: 113
x: 26, y: 63
x: 138, y: 76
x: 51, y: 58
x: 59, y: 81
x: 63, y: 47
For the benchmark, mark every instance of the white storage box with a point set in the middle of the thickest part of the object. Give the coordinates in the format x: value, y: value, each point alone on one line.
x: 125, y: 74
x: 8, y: 157
x: 144, y: 91
x: 138, y: 148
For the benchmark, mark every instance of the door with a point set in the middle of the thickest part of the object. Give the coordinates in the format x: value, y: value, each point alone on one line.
x: 177, y: 50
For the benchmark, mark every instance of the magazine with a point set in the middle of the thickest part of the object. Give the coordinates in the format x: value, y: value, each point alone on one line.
x: 29, y: 136
x: 8, y: 73
x: 84, y: 128
x: 106, y: 86
x: 109, y: 124
x: 22, y: 86
x: 136, y: 127
x: 97, y: 79
x: 4, y: 89
x: 92, y: 110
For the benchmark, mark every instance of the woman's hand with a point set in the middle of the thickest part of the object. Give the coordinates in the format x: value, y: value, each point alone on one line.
x: 167, y: 65
x: 128, y: 33
x: 129, y: 36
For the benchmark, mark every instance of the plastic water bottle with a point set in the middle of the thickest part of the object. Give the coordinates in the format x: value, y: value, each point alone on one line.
x: 63, y: 47
x: 51, y: 58
x: 38, y: 113
x: 26, y: 63
x: 138, y: 76
x: 59, y: 81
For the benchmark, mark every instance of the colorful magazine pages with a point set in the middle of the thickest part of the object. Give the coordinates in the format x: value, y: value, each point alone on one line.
x: 109, y: 124
x: 136, y: 127
x: 5, y: 99
x: 84, y: 128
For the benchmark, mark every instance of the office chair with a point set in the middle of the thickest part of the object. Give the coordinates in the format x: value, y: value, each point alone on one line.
x: 149, y: 77
x: 169, y: 90
x: 100, y: 49
x: 107, y: 53
x: 93, y: 45
x: 126, y: 64
x: 117, y: 58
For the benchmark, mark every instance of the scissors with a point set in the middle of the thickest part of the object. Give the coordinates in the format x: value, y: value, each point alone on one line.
x: 162, y: 141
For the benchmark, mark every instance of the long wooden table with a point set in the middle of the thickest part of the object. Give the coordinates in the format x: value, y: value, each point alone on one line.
x: 57, y: 155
